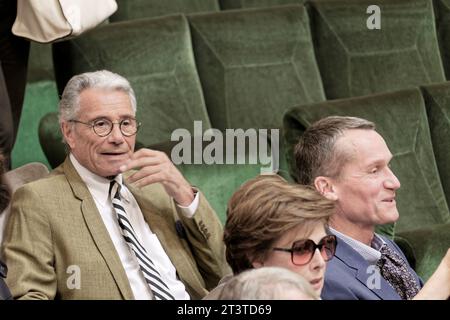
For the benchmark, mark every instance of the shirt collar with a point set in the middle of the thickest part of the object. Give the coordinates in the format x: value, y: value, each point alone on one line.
x: 370, y: 253
x: 97, y: 185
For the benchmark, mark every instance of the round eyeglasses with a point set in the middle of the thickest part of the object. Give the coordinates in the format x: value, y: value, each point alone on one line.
x: 302, y: 251
x: 103, y: 127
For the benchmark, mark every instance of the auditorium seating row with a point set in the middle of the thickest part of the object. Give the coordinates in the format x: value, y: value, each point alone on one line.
x: 251, y: 67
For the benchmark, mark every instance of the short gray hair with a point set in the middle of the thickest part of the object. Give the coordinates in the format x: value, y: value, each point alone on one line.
x: 69, y: 104
x: 266, y: 283
x: 316, y: 154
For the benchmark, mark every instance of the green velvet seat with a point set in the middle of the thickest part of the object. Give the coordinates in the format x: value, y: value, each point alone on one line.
x: 217, y: 181
x: 51, y: 140
x: 355, y: 60
x: 442, y: 13
x: 40, y: 63
x: 401, y: 119
x: 246, y: 4
x: 41, y: 97
x: 427, y: 245
x: 136, y: 9
x: 255, y: 64
x: 437, y: 101
x: 156, y: 56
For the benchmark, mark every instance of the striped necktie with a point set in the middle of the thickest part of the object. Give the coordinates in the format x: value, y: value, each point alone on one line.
x: 152, y: 277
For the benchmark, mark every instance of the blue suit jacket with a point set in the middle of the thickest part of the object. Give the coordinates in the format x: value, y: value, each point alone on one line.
x: 350, y: 277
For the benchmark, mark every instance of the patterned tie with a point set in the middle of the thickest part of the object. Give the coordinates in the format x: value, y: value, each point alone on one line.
x: 148, y: 269
x: 395, y: 271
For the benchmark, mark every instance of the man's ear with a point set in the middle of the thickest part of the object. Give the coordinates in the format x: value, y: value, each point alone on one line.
x: 67, y: 131
x: 325, y: 187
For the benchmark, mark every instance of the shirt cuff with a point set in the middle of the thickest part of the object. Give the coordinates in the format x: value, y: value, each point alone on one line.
x: 190, y: 210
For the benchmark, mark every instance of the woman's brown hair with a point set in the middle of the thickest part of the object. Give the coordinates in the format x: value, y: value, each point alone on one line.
x: 265, y: 208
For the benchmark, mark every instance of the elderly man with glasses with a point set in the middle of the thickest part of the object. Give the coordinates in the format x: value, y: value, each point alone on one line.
x: 111, y: 223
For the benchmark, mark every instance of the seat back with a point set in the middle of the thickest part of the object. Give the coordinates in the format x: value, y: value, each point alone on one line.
x: 218, y: 180
x: 51, y: 139
x: 427, y: 245
x: 137, y: 9
x: 437, y: 101
x: 246, y: 4
x: 401, y: 119
x: 41, y: 97
x: 16, y: 178
x: 442, y: 12
x: 355, y: 60
x: 255, y: 64
x: 155, y: 55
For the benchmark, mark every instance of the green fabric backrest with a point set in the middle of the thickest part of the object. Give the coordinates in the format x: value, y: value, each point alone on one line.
x: 51, y: 140
x: 245, y: 4
x: 255, y: 64
x: 437, y: 100
x: 429, y: 245
x: 136, y: 9
x: 156, y: 56
x: 41, y: 97
x: 442, y: 12
x: 217, y: 181
x: 354, y: 60
x: 40, y: 63
x: 401, y: 119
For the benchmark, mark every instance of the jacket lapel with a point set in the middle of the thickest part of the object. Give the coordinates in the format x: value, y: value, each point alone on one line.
x: 97, y: 229
x: 366, y: 274
x: 169, y: 239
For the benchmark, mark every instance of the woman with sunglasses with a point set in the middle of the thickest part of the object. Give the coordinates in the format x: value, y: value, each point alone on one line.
x: 271, y: 223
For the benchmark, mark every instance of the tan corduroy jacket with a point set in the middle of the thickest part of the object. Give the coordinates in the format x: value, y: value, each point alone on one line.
x: 55, y: 233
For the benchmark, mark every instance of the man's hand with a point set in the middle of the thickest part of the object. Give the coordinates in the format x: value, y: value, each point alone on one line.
x: 447, y: 259
x: 154, y: 166
x: 438, y: 286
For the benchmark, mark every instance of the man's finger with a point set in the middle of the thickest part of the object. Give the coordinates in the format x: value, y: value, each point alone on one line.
x: 144, y: 152
x: 147, y: 171
x: 149, y: 179
x: 140, y: 163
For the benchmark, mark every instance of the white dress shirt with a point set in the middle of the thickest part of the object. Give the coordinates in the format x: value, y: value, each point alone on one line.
x: 99, y: 187
x: 2, y: 227
x: 371, y: 254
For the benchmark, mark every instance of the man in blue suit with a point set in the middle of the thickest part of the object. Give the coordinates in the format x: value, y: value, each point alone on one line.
x: 348, y: 161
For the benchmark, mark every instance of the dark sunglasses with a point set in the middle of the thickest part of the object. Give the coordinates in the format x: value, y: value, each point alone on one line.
x: 302, y: 251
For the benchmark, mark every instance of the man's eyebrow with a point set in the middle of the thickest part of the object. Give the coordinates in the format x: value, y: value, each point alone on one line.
x: 99, y: 118
x: 378, y: 162
x: 107, y: 118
